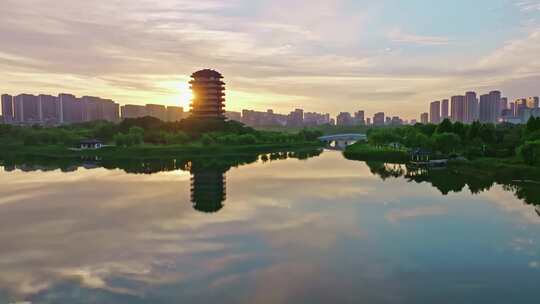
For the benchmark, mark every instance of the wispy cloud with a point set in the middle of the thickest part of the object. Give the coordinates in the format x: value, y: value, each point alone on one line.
x: 398, y: 35
x: 529, y: 6
x: 296, y: 50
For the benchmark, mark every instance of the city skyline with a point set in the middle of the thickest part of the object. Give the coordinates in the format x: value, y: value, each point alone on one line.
x: 274, y: 54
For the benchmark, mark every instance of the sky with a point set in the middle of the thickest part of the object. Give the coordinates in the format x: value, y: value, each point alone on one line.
x: 326, y: 56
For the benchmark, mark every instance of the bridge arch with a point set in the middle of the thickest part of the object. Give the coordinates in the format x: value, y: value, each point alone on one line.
x: 341, y: 141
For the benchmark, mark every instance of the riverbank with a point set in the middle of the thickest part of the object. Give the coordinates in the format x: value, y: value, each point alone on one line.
x: 507, y: 169
x: 148, y: 151
x: 366, y: 152
x: 499, y: 168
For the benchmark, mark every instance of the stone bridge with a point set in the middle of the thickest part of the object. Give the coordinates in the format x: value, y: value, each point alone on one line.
x: 341, y: 141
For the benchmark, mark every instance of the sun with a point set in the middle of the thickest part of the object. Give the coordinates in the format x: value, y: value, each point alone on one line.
x: 185, y: 94
x: 179, y: 93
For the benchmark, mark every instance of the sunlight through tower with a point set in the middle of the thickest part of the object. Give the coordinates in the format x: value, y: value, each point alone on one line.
x: 208, y: 95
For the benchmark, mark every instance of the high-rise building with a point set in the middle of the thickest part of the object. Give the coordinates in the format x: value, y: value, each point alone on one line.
x: 368, y: 121
x: 532, y: 102
x: 157, y: 111
x: 444, y: 109
x: 378, y: 119
x: 435, y: 112
x: 316, y: 119
x: 396, y: 121
x: 513, y: 108
x: 26, y: 109
x: 49, y: 109
x: 7, y: 108
x: 424, y: 118
x: 133, y: 111
x: 90, y: 108
x: 521, y: 105
x: 488, y: 109
x: 504, y: 104
x: 495, y: 97
x: 109, y: 110
x: 359, y: 118
x: 458, y: 108
x: 177, y: 114
x: 209, y: 95
x: 471, y: 107
x: 296, y: 118
x: 71, y: 109
x: 344, y: 119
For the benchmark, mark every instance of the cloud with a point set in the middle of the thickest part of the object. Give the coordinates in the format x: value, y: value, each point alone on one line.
x: 286, y: 53
x: 528, y: 6
x: 396, y: 215
x: 398, y: 35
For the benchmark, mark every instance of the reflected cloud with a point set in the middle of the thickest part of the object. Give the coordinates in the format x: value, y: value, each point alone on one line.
x: 128, y: 232
x: 397, y: 215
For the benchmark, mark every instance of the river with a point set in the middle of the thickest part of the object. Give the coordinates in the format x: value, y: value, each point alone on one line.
x: 281, y: 228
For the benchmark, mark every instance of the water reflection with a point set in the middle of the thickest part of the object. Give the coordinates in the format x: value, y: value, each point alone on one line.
x: 325, y: 230
x: 454, y: 180
x: 208, y: 174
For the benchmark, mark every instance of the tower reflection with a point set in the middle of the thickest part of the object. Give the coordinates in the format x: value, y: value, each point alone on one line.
x: 208, y: 189
x: 208, y: 174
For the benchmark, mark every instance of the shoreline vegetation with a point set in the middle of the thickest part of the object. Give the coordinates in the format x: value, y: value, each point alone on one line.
x: 513, y: 150
x: 149, y: 137
x: 149, y: 151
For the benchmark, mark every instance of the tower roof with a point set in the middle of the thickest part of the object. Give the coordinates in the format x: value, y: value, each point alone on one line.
x: 206, y: 73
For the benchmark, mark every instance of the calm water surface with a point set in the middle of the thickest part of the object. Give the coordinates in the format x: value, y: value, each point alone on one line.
x: 321, y: 230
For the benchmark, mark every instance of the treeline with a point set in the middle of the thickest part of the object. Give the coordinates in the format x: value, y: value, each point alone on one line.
x: 472, y: 141
x: 150, y: 130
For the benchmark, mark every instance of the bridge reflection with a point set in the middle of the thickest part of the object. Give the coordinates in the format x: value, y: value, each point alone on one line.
x: 341, y: 141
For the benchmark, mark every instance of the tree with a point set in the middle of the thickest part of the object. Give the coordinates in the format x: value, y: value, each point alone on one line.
x: 104, y: 131
x: 530, y: 152
x: 533, y: 124
x: 446, y: 142
x: 445, y: 126
x: 207, y: 140
x: 247, y: 139
x: 473, y: 131
x: 379, y: 137
x: 310, y: 135
x: 487, y: 133
x: 460, y: 130
x: 120, y: 139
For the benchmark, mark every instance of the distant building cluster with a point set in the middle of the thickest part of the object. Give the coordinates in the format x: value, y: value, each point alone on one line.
x: 299, y: 118
x: 53, y: 110
x: 488, y: 108
x: 296, y: 118
x: 27, y: 109
x: 170, y: 113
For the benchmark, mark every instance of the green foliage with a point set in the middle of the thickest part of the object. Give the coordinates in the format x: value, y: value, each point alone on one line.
x: 460, y: 130
x: 132, y: 138
x: 445, y: 126
x: 384, y: 136
x: 446, y: 142
x: 533, y: 125
x: 530, y: 152
x: 310, y: 134
x: 207, y: 140
x: 104, y: 131
x: 366, y: 152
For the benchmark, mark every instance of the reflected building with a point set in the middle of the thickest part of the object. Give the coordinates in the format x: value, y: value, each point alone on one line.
x: 208, y: 175
x: 208, y: 189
